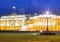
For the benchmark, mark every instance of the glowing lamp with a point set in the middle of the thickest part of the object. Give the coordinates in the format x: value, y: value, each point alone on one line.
x: 47, y: 12
x: 13, y: 7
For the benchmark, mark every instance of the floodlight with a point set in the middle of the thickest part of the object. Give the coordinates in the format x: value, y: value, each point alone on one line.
x: 13, y: 7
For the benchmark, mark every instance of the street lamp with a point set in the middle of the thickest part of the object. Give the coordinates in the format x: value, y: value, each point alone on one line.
x: 35, y: 14
x: 47, y: 32
x: 47, y: 12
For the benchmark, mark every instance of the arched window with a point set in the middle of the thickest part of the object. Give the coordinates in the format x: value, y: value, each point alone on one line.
x: 12, y: 25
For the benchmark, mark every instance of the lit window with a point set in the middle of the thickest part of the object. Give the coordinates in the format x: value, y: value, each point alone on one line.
x: 41, y: 28
x: 58, y: 23
x: 58, y: 19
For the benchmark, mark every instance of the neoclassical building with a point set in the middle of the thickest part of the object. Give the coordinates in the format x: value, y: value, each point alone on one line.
x: 34, y: 23
x: 12, y: 22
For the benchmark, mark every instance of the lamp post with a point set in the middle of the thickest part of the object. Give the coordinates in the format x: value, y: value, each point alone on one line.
x: 47, y: 23
x: 47, y: 32
x: 47, y: 12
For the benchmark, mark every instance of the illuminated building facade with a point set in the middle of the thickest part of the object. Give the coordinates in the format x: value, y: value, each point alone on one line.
x: 35, y: 23
x: 12, y: 22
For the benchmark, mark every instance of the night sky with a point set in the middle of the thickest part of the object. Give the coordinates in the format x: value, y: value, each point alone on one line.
x: 29, y: 6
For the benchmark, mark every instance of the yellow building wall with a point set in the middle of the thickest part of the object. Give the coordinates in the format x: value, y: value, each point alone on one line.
x: 16, y: 27
x: 57, y: 24
x: 41, y: 27
x: 0, y: 24
x: 51, y: 23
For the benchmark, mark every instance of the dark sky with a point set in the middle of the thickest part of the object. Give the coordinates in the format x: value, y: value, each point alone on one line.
x: 29, y: 6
